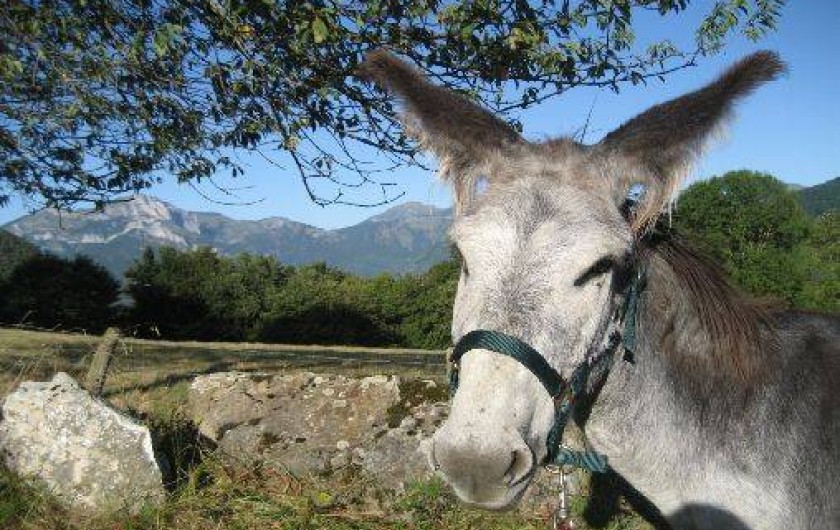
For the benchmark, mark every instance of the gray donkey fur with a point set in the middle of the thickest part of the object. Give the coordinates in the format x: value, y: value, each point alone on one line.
x: 729, y: 416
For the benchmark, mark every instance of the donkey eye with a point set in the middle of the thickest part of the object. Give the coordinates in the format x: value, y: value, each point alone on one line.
x: 600, y: 267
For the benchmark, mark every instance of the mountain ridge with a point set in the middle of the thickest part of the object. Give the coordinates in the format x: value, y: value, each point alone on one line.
x: 409, y: 237
x: 387, y: 242
x: 821, y: 198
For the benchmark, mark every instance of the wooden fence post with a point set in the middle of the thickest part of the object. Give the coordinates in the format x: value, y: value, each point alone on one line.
x: 98, y: 370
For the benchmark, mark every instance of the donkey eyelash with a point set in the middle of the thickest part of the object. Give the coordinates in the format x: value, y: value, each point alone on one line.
x: 602, y: 266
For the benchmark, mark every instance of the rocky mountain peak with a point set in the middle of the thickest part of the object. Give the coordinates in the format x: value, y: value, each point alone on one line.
x: 143, y: 207
x: 406, y: 238
x: 409, y: 210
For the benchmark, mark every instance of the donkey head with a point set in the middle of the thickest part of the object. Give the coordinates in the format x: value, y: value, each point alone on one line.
x: 545, y: 246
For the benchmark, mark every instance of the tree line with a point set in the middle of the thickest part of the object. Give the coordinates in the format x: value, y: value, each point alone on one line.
x: 752, y: 223
x: 758, y: 230
x: 201, y: 295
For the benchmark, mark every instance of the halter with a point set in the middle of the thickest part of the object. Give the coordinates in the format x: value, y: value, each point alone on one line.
x: 564, y: 393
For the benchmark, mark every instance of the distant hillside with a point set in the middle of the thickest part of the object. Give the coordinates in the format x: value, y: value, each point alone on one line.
x: 407, y: 238
x: 821, y: 198
x: 13, y: 251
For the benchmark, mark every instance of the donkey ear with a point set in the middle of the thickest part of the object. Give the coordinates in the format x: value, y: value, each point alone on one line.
x: 662, y: 142
x: 460, y: 133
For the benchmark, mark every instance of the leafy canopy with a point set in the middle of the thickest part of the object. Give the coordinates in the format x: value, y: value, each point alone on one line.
x: 758, y: 230
x: 102, y: 97
x: 14, y: 250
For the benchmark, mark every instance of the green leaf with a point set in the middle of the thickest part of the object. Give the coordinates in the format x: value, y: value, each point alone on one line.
x: 166, y: 85
x: 319, y: 30
x: 160, y: 44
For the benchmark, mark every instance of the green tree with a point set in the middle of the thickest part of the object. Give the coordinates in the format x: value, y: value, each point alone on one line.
x: 759, y: 231
x: 322, y: 305
x: 199, y: 294
x: 820, y: 256
x: 52, y: 292
x: 427, y: 320
x: 100, y: 97
x: 14, y: 250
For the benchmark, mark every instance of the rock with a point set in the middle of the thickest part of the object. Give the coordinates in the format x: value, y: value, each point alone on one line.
x: 358, y: 457
x: 226, y: 400
x: 298, y: 422
x: 409, y: 423
x: 339, y: 461
x: 396, y: 459
x: 88, y: 454
x: 307, y: 423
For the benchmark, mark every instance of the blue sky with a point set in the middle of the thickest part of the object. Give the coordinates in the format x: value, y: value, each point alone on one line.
x: 790, y: 128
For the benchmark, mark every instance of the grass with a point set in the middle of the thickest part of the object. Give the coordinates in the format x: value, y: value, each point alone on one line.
x: 141, y: 366
x: 150, y: 381
x: 217, y: 495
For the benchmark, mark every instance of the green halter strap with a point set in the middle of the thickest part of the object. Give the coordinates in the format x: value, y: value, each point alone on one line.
x: 561, y: 391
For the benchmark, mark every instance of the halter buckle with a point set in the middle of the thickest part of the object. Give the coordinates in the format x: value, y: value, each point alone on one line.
x: 565, y: 396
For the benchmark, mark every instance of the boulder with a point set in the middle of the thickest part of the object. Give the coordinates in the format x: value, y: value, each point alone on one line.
x: 88, y: 454
x: 315, y: 423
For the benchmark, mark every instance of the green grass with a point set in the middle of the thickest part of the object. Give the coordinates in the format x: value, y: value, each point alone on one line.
x: 219, y: 496
x: 150, y: 381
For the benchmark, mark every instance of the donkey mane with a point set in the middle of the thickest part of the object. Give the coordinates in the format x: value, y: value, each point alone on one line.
x: 705, y: 326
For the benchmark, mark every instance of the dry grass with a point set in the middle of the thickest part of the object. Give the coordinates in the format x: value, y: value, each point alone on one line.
x: 144, y: 365
x: 150, y: 380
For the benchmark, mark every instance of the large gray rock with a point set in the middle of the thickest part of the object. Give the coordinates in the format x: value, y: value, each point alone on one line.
x: 311, y: 423
x: 88, y: 454
x: 316, y: 423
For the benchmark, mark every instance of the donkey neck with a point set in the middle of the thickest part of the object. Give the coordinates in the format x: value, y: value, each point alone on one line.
x: 671, y: 422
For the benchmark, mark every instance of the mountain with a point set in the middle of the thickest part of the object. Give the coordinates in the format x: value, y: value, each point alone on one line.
x: 407, y: 238
x: 822, y: 197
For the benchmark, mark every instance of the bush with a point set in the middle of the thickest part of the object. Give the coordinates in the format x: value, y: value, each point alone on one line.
x: 52, y: 292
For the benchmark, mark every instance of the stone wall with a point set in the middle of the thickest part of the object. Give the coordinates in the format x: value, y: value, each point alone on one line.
x: 310, y: 423
x: 96, y: 458
x: 320, y: 423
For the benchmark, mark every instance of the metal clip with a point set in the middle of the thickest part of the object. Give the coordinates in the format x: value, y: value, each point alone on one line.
x: 561, y: 519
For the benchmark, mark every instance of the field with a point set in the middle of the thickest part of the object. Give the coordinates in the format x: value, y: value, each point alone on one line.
x: 149, y: 379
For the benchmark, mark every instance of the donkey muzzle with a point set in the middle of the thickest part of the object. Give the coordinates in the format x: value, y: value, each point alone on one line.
x: 489, y: 468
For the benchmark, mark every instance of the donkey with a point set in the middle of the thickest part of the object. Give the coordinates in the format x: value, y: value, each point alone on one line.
x: 722, y: 414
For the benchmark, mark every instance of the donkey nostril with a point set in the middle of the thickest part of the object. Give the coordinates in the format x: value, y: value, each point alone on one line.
x: 522, y: 462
